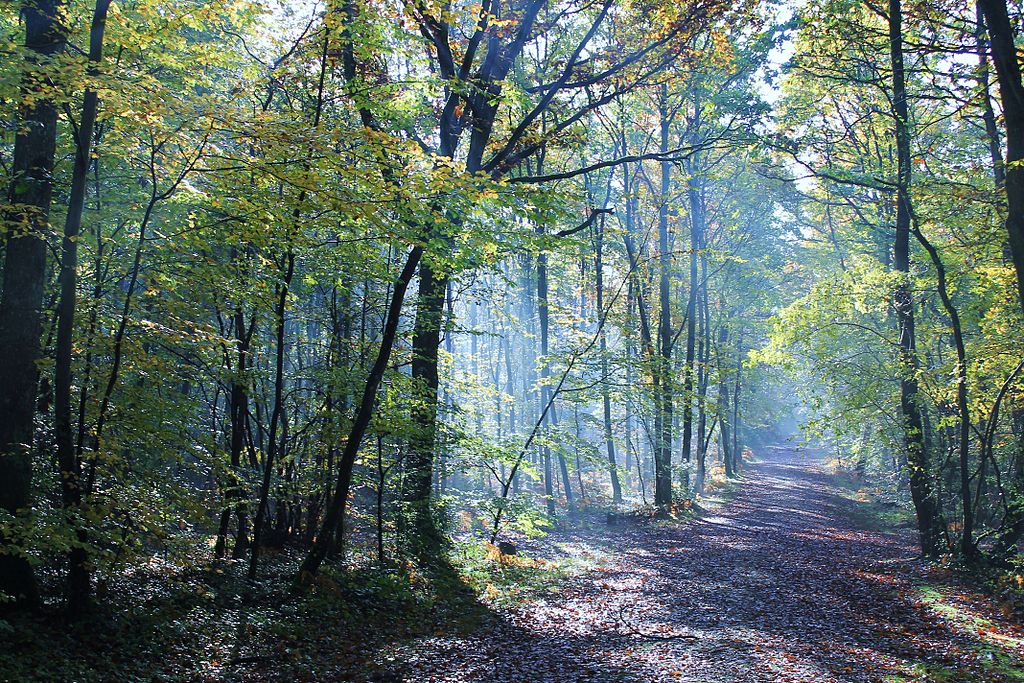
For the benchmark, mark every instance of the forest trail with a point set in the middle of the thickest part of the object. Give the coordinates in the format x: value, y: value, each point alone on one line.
x: 780, y: 584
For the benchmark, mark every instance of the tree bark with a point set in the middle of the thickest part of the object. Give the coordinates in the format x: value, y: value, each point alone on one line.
x: 664, y: 397
x: 606, y: 401
x: 1011, y: 91
x: 426, y: 539
x: 24, y: 278
x: 67, y: 457
x: 925, y: 503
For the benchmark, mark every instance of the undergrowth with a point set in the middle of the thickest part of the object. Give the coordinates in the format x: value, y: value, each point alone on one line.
x: 195, y: 620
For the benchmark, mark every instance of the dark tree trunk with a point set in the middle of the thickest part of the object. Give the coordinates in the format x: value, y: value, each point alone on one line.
x: 703, y: 376
x: 273, y: 443
x: 696, y: 230
x: 925, y: 503
x: 988, y: 114
x: 737, y: 454
x: 336, y: 509
x: 67, y: 456
x: 963, y: 448
x: 637, y: 297
x: 563, y: 467
x: 724, y: 432
x: 491, y: 73
x: 24, y: 278
x: 545, y: 373
x: 1011, y: 90
x: 238, y: 411
x: 425, y: 538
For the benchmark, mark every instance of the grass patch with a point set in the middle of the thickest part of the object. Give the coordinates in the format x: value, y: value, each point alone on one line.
x: 877, y: 516
x: 504, y: 581
x: 992, y: 666
x: 873, y: 509
x: 991, y: 660
x: 980, y: 627
x: 720, y: 491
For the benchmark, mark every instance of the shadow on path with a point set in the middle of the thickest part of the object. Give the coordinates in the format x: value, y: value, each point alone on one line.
x: 780, y: 584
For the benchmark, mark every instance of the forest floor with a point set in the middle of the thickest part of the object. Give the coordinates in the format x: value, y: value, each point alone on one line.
x: 784, y: 575
x: 791, y: 580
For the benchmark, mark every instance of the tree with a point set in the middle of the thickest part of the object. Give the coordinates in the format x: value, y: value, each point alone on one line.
x: 67, y: 456
x: 24, y: 277
x: 1011, y: 89
x: 928, y: 515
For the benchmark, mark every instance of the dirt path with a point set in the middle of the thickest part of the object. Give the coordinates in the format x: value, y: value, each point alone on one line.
x: 778, y: 585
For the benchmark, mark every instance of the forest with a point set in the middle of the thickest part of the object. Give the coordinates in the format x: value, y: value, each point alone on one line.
x: 512, y: 340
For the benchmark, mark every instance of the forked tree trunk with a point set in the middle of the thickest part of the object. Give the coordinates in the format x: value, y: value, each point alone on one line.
x: 67, y: 457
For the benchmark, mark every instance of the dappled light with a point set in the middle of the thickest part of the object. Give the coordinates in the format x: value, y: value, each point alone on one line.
x: 511, y: 340
x: 810, y: 596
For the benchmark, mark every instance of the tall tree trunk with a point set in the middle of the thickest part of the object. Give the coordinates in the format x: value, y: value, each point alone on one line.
x: 426, y: 538
x: 737, y: 455
x: 988, y: 114
x: 703, y: 375
x: 606, y: 401
x: 563, y: 467
x: 238, y: 411
x: 664, y: 398
x: 491, y: 75
x: 24, y: 278
x: 701, y: 476
x: 447, y: 402
x: 545, y: 373
x: 67, y: 457
x: 925, y: 503
x: 696, y: 230
x: 967, y: 547
x: 724, y: 433
x: 636, y: 297
x: 632, y: 452
x: 1011, y: 91
x: 273, y: 441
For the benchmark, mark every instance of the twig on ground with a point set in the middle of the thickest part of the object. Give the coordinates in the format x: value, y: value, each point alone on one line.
x: 634, y: 631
